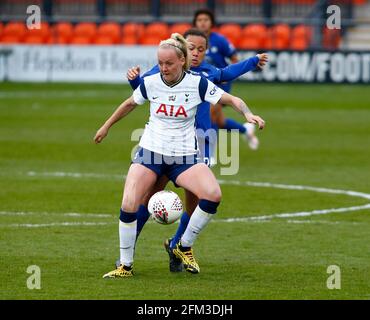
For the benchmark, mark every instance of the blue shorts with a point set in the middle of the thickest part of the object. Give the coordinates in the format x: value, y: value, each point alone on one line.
x: 171, y: 166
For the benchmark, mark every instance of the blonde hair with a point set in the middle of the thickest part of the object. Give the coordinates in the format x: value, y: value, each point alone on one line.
x: 178, y: 42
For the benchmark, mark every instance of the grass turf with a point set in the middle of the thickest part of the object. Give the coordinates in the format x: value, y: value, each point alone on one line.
x: 316, y: 135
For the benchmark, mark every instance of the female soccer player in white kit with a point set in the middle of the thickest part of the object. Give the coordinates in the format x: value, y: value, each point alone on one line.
x: 168, y: 146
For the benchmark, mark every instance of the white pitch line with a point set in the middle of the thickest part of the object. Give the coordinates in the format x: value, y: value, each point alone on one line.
x: 79, y: 175
x: 296, y: 187
x: 69, y: 214
x: 296, y: 214
x: 54, y: 224
x: 350, y: 193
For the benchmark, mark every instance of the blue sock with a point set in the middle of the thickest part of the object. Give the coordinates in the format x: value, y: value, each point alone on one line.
x: 232, y: 124
x: 180, y: 229
x: 142, y: 218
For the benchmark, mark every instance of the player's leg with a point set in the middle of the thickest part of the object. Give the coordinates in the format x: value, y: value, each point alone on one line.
x: 191, y: 201
x: 139, y: 180
x: 143, y: 213
x: 199, y: 180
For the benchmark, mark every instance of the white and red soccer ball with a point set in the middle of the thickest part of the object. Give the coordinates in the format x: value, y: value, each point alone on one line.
x: 165, y: 207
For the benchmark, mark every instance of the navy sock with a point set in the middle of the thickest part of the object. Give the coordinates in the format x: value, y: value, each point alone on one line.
x: 232, y: 124
x: 127, y: 217
x: 180, y: 229
x: 142, y: 217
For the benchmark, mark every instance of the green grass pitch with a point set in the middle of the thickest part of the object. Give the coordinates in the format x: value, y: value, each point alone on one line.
x: 60, y: 196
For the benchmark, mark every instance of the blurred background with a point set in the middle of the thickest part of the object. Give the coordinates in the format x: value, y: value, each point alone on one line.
x: 248, y: 24
x: 116, y: 34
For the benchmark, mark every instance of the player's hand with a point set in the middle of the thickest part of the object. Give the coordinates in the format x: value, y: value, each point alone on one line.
x: 251, y: 118
x: 100, y: 134
x: 263, y: 59
x: 133, y: 73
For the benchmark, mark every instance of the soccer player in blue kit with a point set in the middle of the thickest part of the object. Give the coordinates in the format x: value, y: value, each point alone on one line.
x: 197, y: 45
x: 220, y: 49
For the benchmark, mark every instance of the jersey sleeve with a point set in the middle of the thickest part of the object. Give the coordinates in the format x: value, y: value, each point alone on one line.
x: 209, y: 92
x: 227, y: 49
x: 140, y: 95
x: 235, y: 70
x: 138, y: 80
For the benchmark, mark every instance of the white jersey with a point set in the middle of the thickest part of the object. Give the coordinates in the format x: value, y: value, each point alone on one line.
x: 170, y: 130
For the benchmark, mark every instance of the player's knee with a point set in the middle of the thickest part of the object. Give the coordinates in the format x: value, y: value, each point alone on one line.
x: 214, y: 194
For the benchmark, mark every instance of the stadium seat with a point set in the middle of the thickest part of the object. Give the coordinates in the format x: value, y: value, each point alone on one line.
x: 34, y: 39
x: 85, y: 30
x: 15, y: 30
x: 104, y: 40
x: 9, y: 39
x: 62, y: 32
x: 302, y: 31
x: 180, y: 28
x: 129, y: 40
x: 1, y: 28
x: 256, y: 32
x: 132, y: 32
x: 150, y: 40
x: 110, y: 30
x: 299, y: 44
x: 133, y: 29
x: 36, y: 35
x: 331, y: 38
x: 280, y: 36
x: 232, y: 31
x: 157, y: 29
x: 79, y: 40
x: 249, y: 44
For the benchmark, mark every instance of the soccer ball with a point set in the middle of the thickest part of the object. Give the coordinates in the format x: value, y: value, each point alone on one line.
x: 165, y: 207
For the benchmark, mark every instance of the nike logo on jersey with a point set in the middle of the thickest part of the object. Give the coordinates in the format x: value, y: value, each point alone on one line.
x: 172, y: 111
x: 154, y: 98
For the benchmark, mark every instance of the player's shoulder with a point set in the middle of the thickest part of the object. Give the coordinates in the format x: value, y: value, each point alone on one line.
x: 151, y: 78
x: 192, y: 76
x: 216, y: 37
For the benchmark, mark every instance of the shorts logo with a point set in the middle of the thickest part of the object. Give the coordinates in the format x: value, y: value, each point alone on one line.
x: 172, y: 111
x: 213, y: 91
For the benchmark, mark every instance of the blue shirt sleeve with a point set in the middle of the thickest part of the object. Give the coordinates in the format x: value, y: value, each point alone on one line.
x: 227, y: 49
x: 235, y: 70
x: 139, y: 80
x: 136, y: 82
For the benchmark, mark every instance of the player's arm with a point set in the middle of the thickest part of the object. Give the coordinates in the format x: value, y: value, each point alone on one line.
x: 124, y: 109
x: 240, y: 106
x: 234, y: 71
x: 133, y: 76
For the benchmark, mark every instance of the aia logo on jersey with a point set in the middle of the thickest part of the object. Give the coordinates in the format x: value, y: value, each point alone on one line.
x: 172, y: 111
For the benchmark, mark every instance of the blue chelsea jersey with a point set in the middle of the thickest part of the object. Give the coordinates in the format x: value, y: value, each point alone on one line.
x: 219, y: 48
